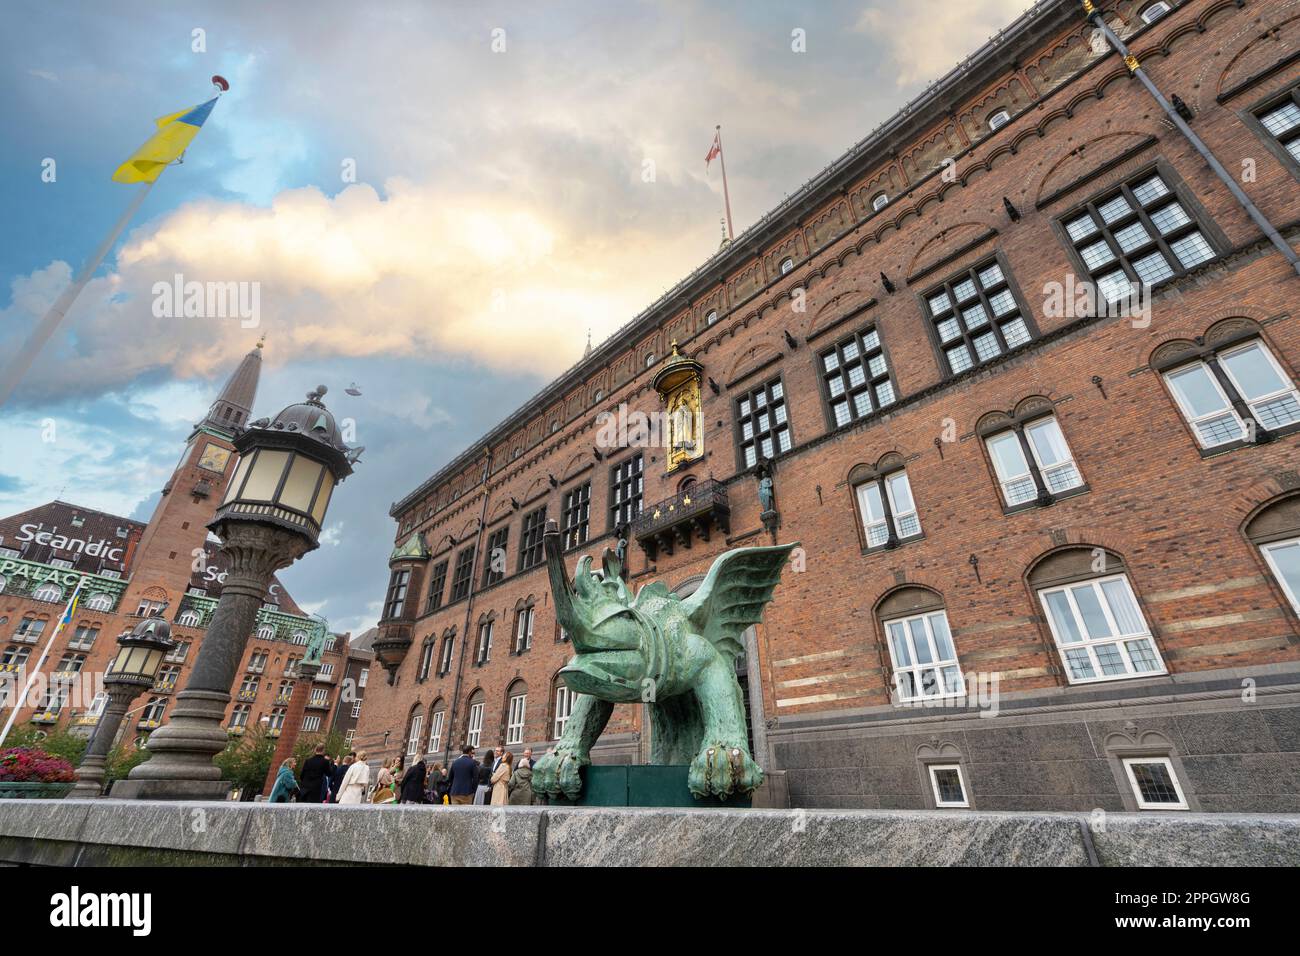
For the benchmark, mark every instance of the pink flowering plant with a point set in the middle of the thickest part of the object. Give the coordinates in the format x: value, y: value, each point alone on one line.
x: 30, y: 765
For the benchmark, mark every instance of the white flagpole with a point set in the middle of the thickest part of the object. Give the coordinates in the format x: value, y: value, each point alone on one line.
x: 726, y: 196
x: 45, y: 652
x: 50, y: 321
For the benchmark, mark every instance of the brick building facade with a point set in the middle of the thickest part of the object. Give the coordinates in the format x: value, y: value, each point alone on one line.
x: 132, y: 568
x: 1091, y: 518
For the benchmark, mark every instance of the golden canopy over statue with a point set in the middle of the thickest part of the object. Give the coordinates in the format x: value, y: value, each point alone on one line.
x: 678, y: 384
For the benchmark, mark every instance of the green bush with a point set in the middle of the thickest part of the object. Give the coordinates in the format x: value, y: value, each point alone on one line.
x: 56, y: 743
x: 247, y: 760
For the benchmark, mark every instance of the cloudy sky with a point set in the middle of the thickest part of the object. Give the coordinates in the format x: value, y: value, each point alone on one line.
x: 437, y: 200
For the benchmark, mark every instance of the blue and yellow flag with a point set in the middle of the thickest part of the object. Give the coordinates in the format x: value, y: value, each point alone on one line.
x: 175, y: 132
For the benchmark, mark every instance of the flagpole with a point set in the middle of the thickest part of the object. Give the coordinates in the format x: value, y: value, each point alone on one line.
x: 50, y: 321
x: 45, y: 653
x: 726, y: 196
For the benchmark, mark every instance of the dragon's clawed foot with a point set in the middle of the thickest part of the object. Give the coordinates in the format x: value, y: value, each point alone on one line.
x: 720, y: 770
x: 557, y: 774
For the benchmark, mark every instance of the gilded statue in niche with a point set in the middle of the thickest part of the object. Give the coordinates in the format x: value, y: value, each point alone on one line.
x: 678, y: 385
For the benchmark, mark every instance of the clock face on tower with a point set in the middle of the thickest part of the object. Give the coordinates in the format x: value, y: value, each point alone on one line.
x: 214, y: 458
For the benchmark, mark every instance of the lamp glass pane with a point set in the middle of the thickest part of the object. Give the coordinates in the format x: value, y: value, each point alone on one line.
x: 264, y: 478
x: 323, y: 499
x: 240, y: 471
x: 301, y: 483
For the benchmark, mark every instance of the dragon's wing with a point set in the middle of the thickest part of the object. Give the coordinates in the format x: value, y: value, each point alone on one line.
x: 734, y: 593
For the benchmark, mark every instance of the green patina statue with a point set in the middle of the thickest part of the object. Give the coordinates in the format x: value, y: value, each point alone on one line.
x: 676, y: 655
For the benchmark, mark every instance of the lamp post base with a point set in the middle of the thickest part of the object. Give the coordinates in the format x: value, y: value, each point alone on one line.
x: 90, y: 779
x: 181, y: 767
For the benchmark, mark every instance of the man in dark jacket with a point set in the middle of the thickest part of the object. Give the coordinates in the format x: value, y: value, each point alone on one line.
x: 337, y: 774
x: 464, y: 777
x: 413, y: 782
x: 314, y: 771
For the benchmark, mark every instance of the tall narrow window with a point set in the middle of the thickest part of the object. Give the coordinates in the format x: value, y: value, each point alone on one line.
x: 563, y: 707
x: 396, y: 598
x: 577, y: 515
x: 515, y: 710
x: 1235, y: 394
x: 924, y: 659
x: 435, y: 730
x: 977, y: 316
x: 494, y: 568
x: 1281, y: 121
x: 530, y: 540
x: 1144, y: 233
x: 426, y: 659
x: 444, y: 655
x: 885, y: 504
x: 437, y: 587
x: 1030, y: 456
x: 474, y: 729
x: 523, y: 629
x: 483, y: 651
x: 763, y: 423
x: 626, y: 485
x: 856, y: 377
x: 464, y: 574
x: 414, y: 737
x: 1100, y: 631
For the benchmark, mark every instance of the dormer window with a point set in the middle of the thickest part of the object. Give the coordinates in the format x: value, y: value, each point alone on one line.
x: 1154, y: 12
x: 999, y: 119
x: 787, y: 265
x: 879, y: 201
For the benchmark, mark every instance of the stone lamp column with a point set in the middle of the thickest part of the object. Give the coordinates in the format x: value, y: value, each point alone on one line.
x: 305, y: 673
x: 271, y: 515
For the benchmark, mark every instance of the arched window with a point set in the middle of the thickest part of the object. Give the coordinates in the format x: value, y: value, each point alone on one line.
x: 516, y: 707
x: 1030, y: 456
x: 555, y: 427
x: 300, y: 637
x: 887, y: 513
x: 879, y: 201
x: 649, y: 359
x: 48, y: 591
x: 597, y: 395
x: 1154, y: 11
x: 921, y: 651
x: 426, y: 659
x: 474, y: 727
x: 152, y: 714
x: 189, y: 618
x: 266, y: 633
x: 1093, y: 614
x: 99, y: 601
x: 1275, y: 530
x: 787, y: 265
x: 563, y: 698
x: 525, y: 614
x: 999, y: 119
x: 414, y: 732
x: 444, y: 654
x: 711, y: 317
x: 437, y: 717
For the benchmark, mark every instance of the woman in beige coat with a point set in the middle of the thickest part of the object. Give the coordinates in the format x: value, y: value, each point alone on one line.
x: 355, y: 781
x: 501, y: 781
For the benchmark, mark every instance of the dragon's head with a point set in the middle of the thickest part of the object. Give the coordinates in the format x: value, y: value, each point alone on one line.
x: 595, y: 610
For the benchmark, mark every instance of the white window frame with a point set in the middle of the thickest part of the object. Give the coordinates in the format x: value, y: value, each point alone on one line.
x: 61, y: 563
x: 356, y: 708
x: 417, y: 733
x: 708, y: 320
x: 868, y: 523
x: 999, y: 119
x: 474, y: 730
x: 189, y: 618
x: 1137, y: 790
x: 100, y: 601
x: 444, y: 662
x: 939, y: 802
x: 936, y: 663
x: 1283, y: 583
x: 364, y: 676
x: 563, y: 708
x: 48, y: 588
x: 1268, y: 356
x: 483, y: 650
x: 435, y: 731
x: 1154, y: 11
x: 311, y: 723
x: 879, y: 201
x: 524, y: 629
x: 1090, y: 644
x: 515, y: 718
x: 1044, y: 468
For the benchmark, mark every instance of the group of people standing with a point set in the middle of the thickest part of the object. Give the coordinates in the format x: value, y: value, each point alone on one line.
x: 497, y: 780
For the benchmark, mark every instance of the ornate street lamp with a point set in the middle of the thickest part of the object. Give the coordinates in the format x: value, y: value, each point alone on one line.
x: 271, y: 515
x: 140, y: 654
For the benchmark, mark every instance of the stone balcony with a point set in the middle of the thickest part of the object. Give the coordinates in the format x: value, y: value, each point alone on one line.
x: 675, y: 522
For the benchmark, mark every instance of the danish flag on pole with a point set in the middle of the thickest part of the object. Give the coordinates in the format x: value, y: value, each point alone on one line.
x: 715, y: 149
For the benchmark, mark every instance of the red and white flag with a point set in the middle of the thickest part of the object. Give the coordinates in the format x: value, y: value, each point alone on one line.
x: 714, y: 150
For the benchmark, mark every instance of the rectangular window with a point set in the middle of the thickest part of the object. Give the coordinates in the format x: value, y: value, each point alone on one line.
x: 494, y: 568
x: 530, y: 541
x: 60, y: 562
x: 856, y: 377
x: 577, y: 515
x: 949, y: 788
x: 925, y: 661
x: 524, y: 630
x: 563, y: 707
x: 1283, y: 558
x: 356, y: 708
x: 1144, y: 233
x: 977, y: 317
x: 475, y: 729
x: 361, y: 679
x: 311, y: 724
x: 29, y: 629
x: 417, y: 731
x: 1154, y: 783
x: 460, y: 580
x: 84, y: 638
x: 1100, y: 631
x: 437, y: 587
x: 1051, y: 455
x: 626, y: 485
x: 1281, y: 121
x: 348, y: 738
x: 435, y: 732
x: 1249, y: 387
x: 396, y: 598
x: 763, y: 423
x: 888, y: 509
x: 515, y: 719
x: 257, y: 662
x: 484, y: 651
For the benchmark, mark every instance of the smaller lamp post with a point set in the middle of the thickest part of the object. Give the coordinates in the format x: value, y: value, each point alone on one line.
x: 135, y: 668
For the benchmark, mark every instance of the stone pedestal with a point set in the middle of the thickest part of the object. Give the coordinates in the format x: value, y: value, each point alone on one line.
x: 640, y: 786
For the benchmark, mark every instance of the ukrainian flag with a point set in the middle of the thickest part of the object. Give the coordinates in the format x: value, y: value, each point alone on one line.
x: 175, y: 132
